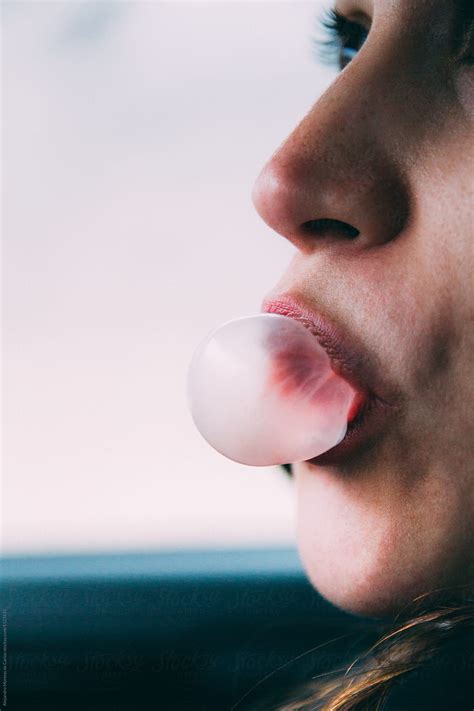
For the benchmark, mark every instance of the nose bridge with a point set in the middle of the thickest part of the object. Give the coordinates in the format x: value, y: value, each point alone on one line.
x: 338, y: 167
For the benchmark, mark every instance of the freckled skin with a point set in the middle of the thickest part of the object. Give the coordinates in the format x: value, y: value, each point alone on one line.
x: 389, y: 149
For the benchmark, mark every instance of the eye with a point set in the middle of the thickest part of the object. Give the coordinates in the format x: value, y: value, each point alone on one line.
x: 342, y: 39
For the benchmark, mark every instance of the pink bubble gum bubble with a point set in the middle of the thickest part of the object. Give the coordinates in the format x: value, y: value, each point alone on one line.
x: 262, y: 391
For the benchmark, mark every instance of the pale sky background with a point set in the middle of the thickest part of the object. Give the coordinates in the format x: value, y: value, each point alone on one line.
x: 131, y: 136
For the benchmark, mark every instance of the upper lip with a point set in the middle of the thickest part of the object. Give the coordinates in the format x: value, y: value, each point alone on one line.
x: 348, y: 358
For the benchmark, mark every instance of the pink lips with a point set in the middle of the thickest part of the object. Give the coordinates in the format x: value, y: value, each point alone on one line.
x: 368, y: 409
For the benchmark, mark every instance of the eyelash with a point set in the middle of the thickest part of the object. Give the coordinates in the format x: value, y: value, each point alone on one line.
x: 343, y: 39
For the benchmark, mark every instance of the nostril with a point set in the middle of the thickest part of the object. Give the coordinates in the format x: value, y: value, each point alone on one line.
x: 327, y: 226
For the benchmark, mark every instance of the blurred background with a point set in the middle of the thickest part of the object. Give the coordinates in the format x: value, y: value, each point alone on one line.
x: 132, y: 134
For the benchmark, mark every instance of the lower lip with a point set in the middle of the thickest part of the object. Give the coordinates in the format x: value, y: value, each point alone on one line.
x: 363, y: 432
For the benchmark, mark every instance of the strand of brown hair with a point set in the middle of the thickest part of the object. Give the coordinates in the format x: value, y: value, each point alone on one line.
x: 407, y: 646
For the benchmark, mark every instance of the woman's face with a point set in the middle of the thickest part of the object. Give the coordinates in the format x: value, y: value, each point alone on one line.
x: 375, y: 189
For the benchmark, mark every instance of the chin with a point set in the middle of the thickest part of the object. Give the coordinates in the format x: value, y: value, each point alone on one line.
x: 362, y: 589
x: 371, y: 584
x: 371, y: 553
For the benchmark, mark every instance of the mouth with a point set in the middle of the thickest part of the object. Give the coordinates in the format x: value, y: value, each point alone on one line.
x: 372, y: 402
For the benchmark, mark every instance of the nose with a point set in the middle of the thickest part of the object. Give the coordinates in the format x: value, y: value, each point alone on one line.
x: 336, y: 178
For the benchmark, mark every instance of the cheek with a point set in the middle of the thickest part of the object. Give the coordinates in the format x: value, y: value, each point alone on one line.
x: 412, y: 303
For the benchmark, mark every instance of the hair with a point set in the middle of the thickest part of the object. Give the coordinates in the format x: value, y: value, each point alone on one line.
x: 407, y: 648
